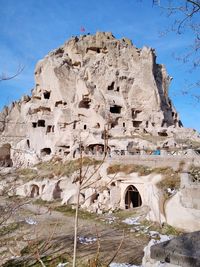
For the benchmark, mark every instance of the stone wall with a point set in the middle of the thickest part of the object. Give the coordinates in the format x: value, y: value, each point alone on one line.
x: 190, y: 192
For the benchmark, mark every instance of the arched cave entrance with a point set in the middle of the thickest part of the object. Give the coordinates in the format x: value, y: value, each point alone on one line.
x: 5, y: 159
x: 132, y: 197
x: 45, y: 151
x: 57, y: 191
x: 34, y: 190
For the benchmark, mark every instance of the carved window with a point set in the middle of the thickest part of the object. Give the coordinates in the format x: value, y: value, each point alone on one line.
x: 49, y: 128
x: 34, y: 124
x: 137, y: 123
x: 46, y: 95
x: 41, y: 123
x: 115, y: 109
x: 111, y: 87
x: 45, y: 151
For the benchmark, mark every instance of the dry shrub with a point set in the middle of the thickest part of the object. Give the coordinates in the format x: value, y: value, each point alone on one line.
x: 129, y: 168
x: 195, y: 174
x: 27, y: 174
x: 171, y: 179
x: 60, y: 168
x: 181, y: 166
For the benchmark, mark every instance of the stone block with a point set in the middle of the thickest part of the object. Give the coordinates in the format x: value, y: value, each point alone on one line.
x: 183, y: 251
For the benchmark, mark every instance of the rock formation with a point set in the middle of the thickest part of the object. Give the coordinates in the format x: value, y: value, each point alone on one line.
x: 102, y: 96
x: 92, y: 87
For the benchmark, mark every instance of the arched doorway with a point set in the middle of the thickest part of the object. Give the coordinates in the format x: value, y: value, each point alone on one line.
x: 57, y: 191
x: 5, y: 160
x: 132, y: 198
x: 34, y: 190
x: 45, y: 151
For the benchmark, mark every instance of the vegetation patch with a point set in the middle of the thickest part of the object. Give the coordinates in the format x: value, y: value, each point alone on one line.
x: 7, y: 229
x: 129, y: 168
x: 60, y: 168
x: 164, y: 229
x: 123, y: 214
x: 171, y: 179
x: 52, y: 168
x: 195, y: 174
x: 42, y: 202
x: 170, y: 230
x: 27, y: 174
x: 83, y: 214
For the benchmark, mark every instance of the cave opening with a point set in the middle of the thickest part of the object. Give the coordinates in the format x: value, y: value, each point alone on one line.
x: 137, y: 123
x: 132, y: 198
x: 41, y: 123
x: 45, y: 151
x: 111, y: 87
x: 115, y: 109
x: 46, y: 95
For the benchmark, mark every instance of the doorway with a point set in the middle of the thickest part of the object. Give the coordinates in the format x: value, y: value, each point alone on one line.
x: 132, y: 198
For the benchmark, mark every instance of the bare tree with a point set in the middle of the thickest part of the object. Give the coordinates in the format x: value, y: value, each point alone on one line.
x: 6, y: 77
x: 184, y: 17
x: 83, y: 181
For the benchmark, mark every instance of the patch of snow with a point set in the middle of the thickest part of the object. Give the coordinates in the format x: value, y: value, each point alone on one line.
x: 109, y: 219
x: 132, y: 221
x: 30, y: 221
x: 156, y: 238
x: 171, y: 191
x: 86, y: 240
x: 62, y: 264
x: 164, y: 238
x: 14, y: 257
x: 159, y: 238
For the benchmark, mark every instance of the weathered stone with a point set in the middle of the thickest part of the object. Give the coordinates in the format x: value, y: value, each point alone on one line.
x: 183, y: 251
x: 91, y: 83
x: 96, y: 89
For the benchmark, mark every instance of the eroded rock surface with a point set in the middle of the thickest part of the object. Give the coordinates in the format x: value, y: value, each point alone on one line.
x: 91, y: 88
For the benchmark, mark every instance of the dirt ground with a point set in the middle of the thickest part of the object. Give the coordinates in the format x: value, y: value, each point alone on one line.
x: 40, y: 230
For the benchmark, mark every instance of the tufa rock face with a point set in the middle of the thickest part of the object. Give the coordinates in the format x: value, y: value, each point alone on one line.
x: 91, y: 83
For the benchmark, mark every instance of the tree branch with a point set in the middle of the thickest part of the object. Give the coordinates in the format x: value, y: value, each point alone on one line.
x: 194, y: 3
x: 5, y: 77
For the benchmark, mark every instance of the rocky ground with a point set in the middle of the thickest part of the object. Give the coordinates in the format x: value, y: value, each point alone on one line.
x: 32, y: 230
x: 37, y: 230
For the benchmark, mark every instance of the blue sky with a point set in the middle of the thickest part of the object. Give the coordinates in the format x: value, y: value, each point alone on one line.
x: 29, y: 29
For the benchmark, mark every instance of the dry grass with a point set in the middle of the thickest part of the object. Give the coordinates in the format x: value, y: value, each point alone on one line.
x: 59, y: 168
x: 171, y: 179
x: 27, y: 174
x: 194, y: 168
x: 69, y: 211
x: 129, y: 168
x: 195, y: 174
x: 53, y: 168
x: 9, y: 228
